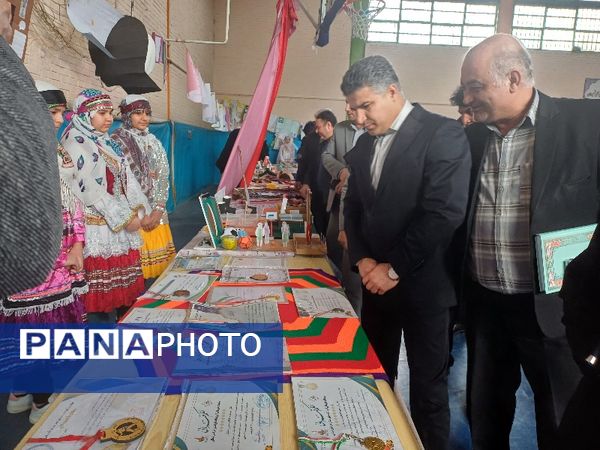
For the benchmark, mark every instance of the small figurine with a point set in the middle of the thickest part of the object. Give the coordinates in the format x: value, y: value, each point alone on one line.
x: 259, y: 234
x: 285, y: 233
x: 266, y: 233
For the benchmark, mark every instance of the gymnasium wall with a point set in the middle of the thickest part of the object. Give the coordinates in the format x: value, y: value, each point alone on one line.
x: 311, y: 78
x: 71, y: 69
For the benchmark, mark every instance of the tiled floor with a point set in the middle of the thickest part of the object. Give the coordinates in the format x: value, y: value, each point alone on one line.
x: 186, y: 221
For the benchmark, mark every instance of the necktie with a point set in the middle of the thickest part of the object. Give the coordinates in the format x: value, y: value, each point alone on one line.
x: 376, y: 162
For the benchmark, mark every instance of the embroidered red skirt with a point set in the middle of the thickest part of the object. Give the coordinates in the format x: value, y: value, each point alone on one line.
x: 113, y: 282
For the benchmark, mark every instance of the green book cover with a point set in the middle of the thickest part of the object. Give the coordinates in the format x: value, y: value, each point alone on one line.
x: 555, y: 250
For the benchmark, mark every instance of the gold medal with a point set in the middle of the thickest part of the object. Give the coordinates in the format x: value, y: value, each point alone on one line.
x: 374, y: 443
x: 260, y: 277
x: 124, y: 430
x: 181, y: 293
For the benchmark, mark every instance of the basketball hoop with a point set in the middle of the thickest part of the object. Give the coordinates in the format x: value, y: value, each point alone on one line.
x: 362, y: 18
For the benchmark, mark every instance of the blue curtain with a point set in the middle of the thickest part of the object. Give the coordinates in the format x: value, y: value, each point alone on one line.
x: 196, y: 150
x: 193, y: 159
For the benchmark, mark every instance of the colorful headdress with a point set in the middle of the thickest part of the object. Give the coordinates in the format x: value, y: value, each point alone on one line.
x: 53, y: 96
x: 134, y: 102
x: 91, y: 100
x: 86, y: 105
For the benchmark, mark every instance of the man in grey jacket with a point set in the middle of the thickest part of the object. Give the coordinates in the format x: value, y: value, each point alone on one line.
x: 31, y: 219
x: 345, y: 135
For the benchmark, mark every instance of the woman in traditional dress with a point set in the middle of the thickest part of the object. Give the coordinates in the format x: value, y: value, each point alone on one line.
x: 114, y: 208
x: 57, y: 299
x: 148, y: 162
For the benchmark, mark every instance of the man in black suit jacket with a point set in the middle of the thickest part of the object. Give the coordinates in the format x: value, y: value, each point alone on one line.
x: 407, y: 194
x: 311, y: 173
x: 535, y: 169
x: 581, y: 421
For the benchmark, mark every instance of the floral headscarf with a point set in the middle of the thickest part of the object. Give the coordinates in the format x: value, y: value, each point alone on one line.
x: 95, y: 154
x: 133, y: 103
x: 85, y: 107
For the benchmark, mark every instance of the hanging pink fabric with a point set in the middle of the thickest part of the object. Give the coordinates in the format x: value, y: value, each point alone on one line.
x: 248, y: 144
x: 194, y: 80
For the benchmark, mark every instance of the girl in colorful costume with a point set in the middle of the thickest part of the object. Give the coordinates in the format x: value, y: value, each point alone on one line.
x: 114, y: 207
x: 148, y: 162
x: 57, y: 300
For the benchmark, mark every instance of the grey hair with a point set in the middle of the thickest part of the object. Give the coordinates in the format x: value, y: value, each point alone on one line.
x: 375, y: 72
x: 512, y: 58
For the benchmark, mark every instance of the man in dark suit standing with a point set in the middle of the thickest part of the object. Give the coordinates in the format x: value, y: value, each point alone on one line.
x: 407, y: 194
x: 311, y: 173
x: 535, y: 169
x: 345, y: 136
x: 581, y: 421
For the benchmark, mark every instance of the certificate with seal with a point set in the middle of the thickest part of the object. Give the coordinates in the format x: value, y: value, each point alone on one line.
x: 257, y: 312
x: 237, y: 304
x: 255, y: 275
x: 237, y: 421
x: 98, y: 420
x: 322, y: 302
x: 345, y: 413
x: 199, y: 264
x: 154, y: 315
x: 271, y: 263
x: 236, y: 295
x: 179, y: 286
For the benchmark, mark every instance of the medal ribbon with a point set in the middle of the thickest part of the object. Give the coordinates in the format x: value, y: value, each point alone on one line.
x: 87, y: 441
x: 337, y: 441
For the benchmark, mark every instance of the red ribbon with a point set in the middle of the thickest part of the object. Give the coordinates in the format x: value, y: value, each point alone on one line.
x: 87, y: 441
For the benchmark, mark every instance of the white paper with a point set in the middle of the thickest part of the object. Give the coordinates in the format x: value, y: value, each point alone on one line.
x: 209, y: 251
x: 219, y: 195
x: 257, y: 275
x: 207, y: 264
x: 287, y: 365
x: 234, y: 295
x: 264, y: 312
x: 340, y: 410
x: 179, y: 286
x: 155, y: 315
x: 322, y: 302
x: 236, y: 304
x: 229, y: 421
x: 273, y: 263
x: 86, y: 414
x: 18, y: 43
